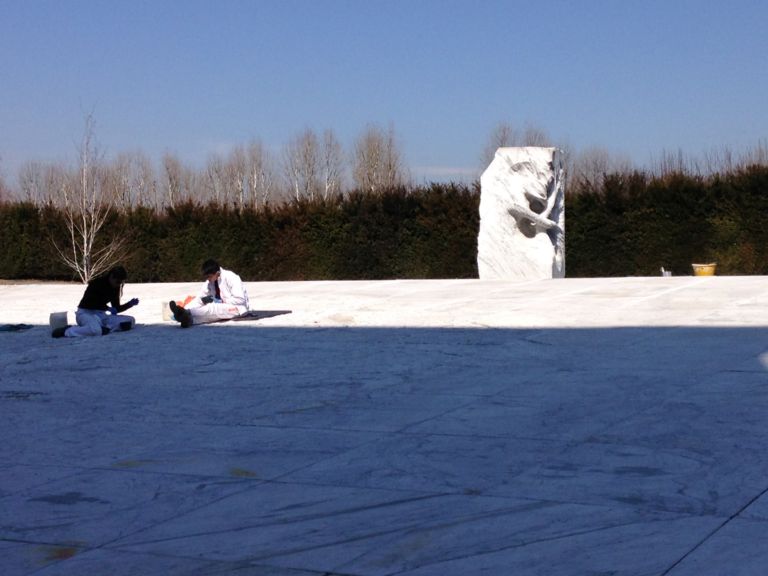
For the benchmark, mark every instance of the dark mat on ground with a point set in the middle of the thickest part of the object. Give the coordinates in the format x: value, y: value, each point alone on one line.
x: 14, y: 327
x: 261, y: 314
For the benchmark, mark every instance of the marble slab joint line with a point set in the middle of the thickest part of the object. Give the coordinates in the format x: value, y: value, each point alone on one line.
x: 404, y: 429
x: 534, y: 542
x: 713, y: 532
x: 292, y: 520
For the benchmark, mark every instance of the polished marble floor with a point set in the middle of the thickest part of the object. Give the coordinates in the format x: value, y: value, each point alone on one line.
x: 414, y: 428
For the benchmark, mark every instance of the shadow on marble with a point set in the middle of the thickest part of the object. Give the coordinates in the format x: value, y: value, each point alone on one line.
x: 739, y: 548
x: 377, y: 532
x: 375, y: 451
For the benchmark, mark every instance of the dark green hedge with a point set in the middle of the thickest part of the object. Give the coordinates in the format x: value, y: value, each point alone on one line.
x: 427, y: 232
x: 635, y: 224
x: 632, y: 225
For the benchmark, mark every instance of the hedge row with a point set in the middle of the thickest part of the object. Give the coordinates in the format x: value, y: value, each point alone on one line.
x: 636, y: 224
x: 428, y: 232
x: 632, y: 225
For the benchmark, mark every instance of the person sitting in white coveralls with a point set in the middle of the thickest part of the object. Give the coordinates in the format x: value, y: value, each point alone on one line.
x: 222, y: 297
x: 101, y: 296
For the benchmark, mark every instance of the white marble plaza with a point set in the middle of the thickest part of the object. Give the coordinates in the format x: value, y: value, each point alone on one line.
x: 417, y: 428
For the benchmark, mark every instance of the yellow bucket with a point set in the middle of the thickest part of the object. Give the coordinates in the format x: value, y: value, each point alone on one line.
x: 704, y: 269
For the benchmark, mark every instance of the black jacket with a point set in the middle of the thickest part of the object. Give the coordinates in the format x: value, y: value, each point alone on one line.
x: 99, y: 294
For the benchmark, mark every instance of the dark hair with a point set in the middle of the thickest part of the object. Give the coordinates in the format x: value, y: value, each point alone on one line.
x: 210, y: 267
x: 118, y: 273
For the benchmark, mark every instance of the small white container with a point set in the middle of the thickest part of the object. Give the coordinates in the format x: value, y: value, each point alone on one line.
x: 166, y: 311
x: 58, y: 320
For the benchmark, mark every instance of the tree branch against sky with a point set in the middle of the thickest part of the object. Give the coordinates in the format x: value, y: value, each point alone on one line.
x: 376, y: 160
x: 86, y: 208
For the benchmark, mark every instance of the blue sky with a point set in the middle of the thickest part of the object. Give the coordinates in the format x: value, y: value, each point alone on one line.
x: 196, y: 77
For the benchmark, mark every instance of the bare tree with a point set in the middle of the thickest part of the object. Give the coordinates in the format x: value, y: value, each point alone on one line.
x: 332, y: 164
x: 588, y: 168
x: 31, y: 182
x: 4, y: 190
x: 505, y: 135
x: 143, y: 181
x: 724, y: 160
x: 261, y: 178
x: 41, y: 183
x: 674, y: 163
x: 180, y: 183
x: 719, y: 160
x: 214, y: 176
x: 172, y: 171
x: 192, y: 185
x: 377, y: 161
x: 116, y: 182
x: 85, y: 213
x: 756, y: 155
x: 300, y: 164
x: 130, y: 181
x: 237, y: 176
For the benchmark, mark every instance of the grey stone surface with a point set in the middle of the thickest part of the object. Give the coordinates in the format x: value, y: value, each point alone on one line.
x: 606, y: 426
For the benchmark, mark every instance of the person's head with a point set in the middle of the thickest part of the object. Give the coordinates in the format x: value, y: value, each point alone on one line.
x: 211, y: 269
x: 117, y: 276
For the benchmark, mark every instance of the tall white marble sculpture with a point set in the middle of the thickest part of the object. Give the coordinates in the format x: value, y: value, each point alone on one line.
x: 522, y: 215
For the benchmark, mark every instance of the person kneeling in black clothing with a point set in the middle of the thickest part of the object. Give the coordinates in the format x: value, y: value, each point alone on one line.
x: 101, y: 296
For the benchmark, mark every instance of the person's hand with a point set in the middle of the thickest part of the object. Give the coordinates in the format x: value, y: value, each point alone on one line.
x: 131, y: 303
x: 112, y: 310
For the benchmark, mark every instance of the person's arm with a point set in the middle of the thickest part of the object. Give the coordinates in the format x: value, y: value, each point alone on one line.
x: 204, y: 296
x: 236, y: 290
x: 206, y: 289
x: 115, y: 301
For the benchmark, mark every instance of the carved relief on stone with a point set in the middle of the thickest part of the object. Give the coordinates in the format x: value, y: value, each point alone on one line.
x: 522, y: 215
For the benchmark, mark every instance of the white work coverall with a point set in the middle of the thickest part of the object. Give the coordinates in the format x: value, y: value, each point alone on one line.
x: 90, y: 322
x: 234, y: 299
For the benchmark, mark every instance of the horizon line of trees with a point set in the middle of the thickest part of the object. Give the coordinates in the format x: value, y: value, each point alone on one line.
x: 312, y: 170
x: 316, y: 166
x: 310, y: 166
x: 633, y: 225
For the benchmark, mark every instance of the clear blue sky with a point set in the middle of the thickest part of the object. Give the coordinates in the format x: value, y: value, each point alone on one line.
x: 195, y: 77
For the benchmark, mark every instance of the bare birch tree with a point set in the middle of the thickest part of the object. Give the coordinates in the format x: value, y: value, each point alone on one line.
x: 332, y: 164
x: 300, y: 165
x: 130, y: 181
x: 377, y: 161
x: 143, y: 181
x: 41, y: 183
x: 85, y: 214
x: 236, y: 171
x: 214, y: 174
x: 173, y: 173
x: 116, y: 182
x: 261, y: 178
